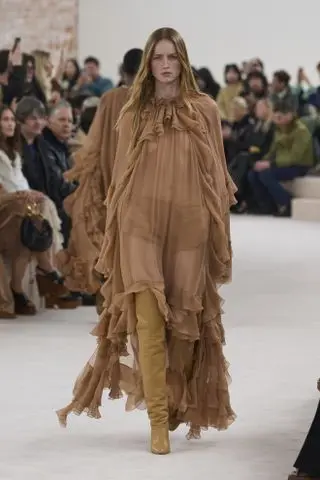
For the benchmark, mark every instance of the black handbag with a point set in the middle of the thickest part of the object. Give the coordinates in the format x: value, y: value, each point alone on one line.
x: 35, y: 231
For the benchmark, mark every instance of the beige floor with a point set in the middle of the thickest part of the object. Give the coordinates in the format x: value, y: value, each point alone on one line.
x: 273, y: 329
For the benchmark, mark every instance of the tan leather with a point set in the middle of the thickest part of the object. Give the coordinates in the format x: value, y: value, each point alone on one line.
x: 152, y: 359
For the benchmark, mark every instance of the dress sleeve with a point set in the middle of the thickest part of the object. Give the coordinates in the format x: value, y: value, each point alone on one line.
x: 229, y: 189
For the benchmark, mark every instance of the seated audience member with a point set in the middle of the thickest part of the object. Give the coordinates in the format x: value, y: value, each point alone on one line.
x: 11, y: 76
x: 70, y: 76
x: 88, y: 112
x: 255, y: 65
x: 42, y: 167
x: 91, y: 79
x: 308, y: 462
x: 259, y: 141
x: 236, y: 136
x: 256, y: 85
x: 290, y: 156
x: 56, y: 94
x: 93, y: 170
x: 208, y: 84
x: 32, y: 86
x: 18, y: 202
x: 232, y: 76
x: 57, y: 134
x: 281, y: 91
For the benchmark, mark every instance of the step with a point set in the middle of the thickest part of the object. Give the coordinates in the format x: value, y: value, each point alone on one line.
x: 306, y: 209
x: 306, y: 187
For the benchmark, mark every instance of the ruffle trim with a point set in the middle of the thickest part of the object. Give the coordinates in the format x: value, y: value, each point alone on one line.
x: 88, y: 213
x: 197, y: 393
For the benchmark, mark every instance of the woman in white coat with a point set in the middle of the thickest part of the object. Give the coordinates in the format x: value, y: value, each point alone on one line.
x: 16, y: 199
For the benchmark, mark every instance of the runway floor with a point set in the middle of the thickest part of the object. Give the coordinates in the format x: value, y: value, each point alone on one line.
x: 272, y: 323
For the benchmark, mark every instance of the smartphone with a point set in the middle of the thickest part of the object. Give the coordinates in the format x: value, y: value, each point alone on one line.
x: 17, y: 40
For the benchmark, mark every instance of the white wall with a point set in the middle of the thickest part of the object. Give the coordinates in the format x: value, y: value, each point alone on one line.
x: 283, y: 33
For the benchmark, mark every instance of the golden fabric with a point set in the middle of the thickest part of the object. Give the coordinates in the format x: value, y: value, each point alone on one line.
x: 167, y: 231
x: 93, y: 165
x: 225, y: 98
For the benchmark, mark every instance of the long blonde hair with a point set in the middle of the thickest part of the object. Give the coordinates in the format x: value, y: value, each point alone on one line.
x: 41, y: 60
x: 143, y: 87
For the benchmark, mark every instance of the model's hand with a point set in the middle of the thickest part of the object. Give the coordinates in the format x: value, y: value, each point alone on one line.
x: 15, y: 58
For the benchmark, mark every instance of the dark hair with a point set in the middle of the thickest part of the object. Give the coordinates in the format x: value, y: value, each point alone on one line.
x: 231, y: 66
x: 282, y: 76
x: 9, y: 145
x: 285, y: 105
x: 92, y: 60
x: 261, y: 76
x: 27, y: 106
x: 4, y: 57
x: 76, y: 75
x: 56, y: 87
x: 131, y: 61
x: 212, y: 87
x: 195, y: 72
x: 86, y: 119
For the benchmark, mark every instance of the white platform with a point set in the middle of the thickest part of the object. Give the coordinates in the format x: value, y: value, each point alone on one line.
x: 273, y: 331
x: 306, y: 201
x: 306, y: 209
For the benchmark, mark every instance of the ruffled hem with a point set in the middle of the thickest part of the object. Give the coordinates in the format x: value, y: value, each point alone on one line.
x: 87, y: 211
x: 197, y: 374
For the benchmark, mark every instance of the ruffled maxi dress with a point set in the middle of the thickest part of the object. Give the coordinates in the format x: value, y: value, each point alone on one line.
x: 167, y: 231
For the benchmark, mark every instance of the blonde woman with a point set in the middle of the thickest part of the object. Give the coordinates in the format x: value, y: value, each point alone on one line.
x: 167, y: 248
x: 43, y: 71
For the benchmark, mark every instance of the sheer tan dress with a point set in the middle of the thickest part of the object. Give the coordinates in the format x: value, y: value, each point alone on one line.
x: 93, y: 164
x: 168, y: 231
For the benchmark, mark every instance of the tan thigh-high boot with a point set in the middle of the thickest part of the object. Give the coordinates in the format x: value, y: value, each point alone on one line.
x: 152, y: 359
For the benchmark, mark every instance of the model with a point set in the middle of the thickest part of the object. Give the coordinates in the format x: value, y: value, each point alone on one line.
x: 93, y: 171
x: 308, y: 462
x: 166, y: 250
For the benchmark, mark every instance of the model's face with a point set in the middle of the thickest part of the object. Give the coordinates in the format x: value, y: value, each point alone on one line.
x: 7, y: 124
x: 165, y: 65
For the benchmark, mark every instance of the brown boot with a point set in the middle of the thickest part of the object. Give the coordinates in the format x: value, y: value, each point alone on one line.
x: 152, y: 359
x: 50, y: 283
x: 65, y: 302
x: 7, y: 315
x: 22, y: 304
